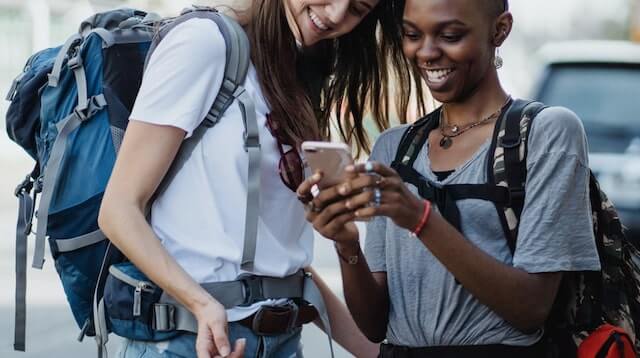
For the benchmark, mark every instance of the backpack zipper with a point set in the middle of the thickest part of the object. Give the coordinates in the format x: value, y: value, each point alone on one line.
x: 139, y: 285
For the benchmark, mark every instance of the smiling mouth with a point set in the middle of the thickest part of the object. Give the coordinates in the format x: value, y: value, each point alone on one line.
x: 316, y: 21
x: 439, y: 75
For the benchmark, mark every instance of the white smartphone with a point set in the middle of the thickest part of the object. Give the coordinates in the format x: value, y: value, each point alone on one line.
x: 329, y: 158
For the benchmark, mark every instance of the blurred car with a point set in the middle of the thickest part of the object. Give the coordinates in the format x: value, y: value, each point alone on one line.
x: 600, y: 81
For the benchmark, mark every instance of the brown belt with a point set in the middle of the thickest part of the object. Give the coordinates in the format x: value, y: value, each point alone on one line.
x: 276, y: 320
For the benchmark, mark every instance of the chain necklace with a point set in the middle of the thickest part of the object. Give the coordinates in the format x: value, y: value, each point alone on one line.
x: 447, y: 139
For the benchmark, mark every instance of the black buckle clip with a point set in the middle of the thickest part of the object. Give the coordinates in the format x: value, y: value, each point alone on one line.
x: 24, y: 187
x: 510, y: 143
x: 252, y: 287
x: 516, y: 194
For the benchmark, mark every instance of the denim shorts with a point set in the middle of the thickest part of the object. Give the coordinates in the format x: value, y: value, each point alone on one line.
x: 184, y: 346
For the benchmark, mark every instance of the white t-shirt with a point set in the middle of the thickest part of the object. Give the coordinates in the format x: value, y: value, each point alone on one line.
x: 200, y: 218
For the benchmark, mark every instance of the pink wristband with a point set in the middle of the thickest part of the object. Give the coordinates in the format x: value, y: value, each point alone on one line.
x: 423, y: 220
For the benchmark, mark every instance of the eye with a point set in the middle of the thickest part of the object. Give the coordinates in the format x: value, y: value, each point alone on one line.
x: 451, y: 37
x: 411, y: 35
x: 357, y: 11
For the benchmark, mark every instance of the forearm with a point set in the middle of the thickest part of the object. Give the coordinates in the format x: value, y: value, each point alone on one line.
x: 522, y: 299
x: 367, y: 299
x: 343, y: 328
x: 127, y: 228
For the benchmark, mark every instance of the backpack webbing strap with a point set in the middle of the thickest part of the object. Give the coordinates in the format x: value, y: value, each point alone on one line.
x: 23, y: 229
x: 65, y: 128
x: 72, y: 42
x: 508, y: 165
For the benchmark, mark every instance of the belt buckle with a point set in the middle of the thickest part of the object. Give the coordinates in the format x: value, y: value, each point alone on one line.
x: 258, y: 325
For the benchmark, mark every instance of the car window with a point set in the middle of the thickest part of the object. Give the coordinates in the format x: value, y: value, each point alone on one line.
x: 606, y: 98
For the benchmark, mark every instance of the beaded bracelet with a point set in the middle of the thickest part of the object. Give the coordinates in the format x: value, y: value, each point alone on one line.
x: 423, y: 220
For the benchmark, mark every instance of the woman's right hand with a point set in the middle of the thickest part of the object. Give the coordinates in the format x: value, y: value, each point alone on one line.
x: 327, y: 212
x: 213, y: 334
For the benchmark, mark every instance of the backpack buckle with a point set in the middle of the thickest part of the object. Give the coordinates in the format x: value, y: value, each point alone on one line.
x: 163, y: 317
x: 24, y: 187
x: 251, y: 142
x: 516, y: 194
x: 75, y: 62
x: 510, y: 143
x: 252, y: 289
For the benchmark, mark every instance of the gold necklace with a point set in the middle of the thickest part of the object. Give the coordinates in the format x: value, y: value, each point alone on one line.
x: 447, y: 139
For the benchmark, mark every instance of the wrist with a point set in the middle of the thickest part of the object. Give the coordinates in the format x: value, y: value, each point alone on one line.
x: 348, y: 252
x: 425, y: 213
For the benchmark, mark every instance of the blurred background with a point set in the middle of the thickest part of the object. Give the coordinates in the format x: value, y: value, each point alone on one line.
x: 577, y: 53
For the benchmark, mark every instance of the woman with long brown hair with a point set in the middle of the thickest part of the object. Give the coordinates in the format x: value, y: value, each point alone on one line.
x: 309, y: 59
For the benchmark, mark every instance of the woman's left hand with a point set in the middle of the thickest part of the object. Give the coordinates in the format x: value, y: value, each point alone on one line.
x: 395, y: 200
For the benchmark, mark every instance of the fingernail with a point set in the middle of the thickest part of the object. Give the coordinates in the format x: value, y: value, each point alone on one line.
x: 225, y: 351
x: 343, y: 189
x: 350, y: 168
x: 357, y: 213
x: 348, y: 204
x: 316, y: 176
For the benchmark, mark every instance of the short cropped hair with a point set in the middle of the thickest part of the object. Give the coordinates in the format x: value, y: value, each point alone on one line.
x: 497, y: 7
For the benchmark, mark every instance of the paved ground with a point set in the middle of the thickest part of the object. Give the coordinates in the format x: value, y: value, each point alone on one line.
x: 51, y: 331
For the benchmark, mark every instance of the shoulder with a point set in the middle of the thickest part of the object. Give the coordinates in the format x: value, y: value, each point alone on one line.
x: 558, y: 130
x: 196, y: 40
x: 386, y: 145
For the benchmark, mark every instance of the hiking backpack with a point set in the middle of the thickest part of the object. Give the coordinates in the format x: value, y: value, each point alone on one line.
x: 598, y: 308
x: 69, y: 111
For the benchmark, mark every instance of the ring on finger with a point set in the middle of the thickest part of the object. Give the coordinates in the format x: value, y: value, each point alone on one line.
x: 377, y: 197
x: 313, y: 208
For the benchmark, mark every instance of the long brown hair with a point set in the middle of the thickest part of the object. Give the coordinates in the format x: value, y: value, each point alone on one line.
x: 348, y: 77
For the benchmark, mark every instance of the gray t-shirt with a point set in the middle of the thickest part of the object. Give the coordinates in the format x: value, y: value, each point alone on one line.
x: 428, y: 307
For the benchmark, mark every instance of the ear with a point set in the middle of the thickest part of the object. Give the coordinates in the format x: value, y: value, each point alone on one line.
x: 502, y: 28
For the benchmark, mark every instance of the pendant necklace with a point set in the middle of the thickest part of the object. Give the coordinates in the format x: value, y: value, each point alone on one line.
x: 449, y: 132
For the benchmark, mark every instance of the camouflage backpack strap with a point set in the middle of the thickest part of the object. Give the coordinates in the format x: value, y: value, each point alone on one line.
x: 412, y: 141
x: 507, y: 167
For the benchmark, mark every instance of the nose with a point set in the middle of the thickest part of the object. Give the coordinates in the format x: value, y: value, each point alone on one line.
x: 337, y: 11
x: 428, y: 52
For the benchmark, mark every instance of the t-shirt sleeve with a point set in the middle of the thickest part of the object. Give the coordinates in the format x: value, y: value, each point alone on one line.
x: 375, y: 242
x: 183, y: 76
x: 555, y: 231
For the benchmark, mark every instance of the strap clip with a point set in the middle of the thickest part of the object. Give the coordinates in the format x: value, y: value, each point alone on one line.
x: 75, y: 62
x: 163, y: 317
x: 24, y: 187
x: 510, y: 143
x: 252, y: 287
x: 516, y: 194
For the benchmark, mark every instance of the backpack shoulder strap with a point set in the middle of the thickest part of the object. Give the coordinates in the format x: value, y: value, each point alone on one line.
x: 414, y: 138
x: 507, y: 167
x: 235, y: 73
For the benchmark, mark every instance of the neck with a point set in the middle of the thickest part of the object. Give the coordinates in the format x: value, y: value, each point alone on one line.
x: 482, y: 102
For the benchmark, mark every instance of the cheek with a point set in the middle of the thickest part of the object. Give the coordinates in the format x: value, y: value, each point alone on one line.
x: 409, y: 49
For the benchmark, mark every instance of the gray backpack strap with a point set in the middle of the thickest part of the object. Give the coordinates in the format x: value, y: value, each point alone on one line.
x: 236, y: 68
x: 23, y: 229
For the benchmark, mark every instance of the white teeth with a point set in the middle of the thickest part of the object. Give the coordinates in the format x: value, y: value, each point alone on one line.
x: 316, y: 20
x: 437, y: 76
